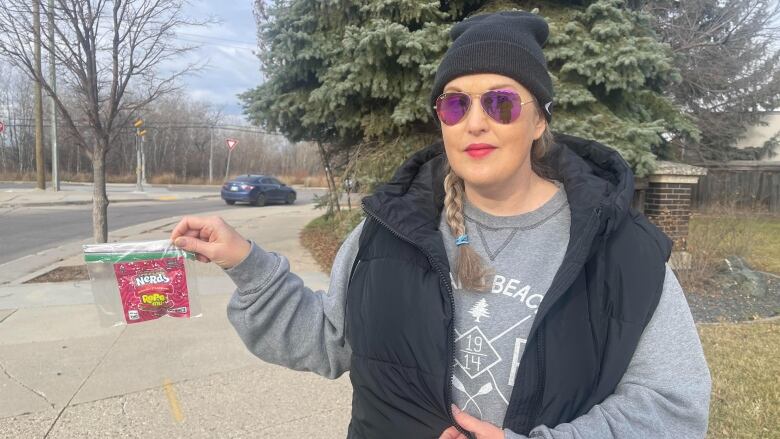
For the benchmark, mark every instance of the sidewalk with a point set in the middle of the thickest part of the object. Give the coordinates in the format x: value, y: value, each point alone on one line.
x: 81, y: 193
x: 64, y: 376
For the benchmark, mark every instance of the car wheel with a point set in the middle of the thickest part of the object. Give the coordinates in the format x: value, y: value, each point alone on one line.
x: 259, y: 201
x: 290, y: 198
x: 230, y: 202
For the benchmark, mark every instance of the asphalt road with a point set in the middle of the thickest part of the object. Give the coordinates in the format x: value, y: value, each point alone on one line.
x: 27, y: 230
x: 87, y: 187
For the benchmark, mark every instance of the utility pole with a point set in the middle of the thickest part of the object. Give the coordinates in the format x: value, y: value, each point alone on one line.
x: 139, y: 174
x: 55, y: 178
x: 39, y: 164
x: 211, y: 154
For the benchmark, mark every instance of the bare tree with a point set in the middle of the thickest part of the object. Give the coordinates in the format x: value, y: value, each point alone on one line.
x: 729, y: 60
x: 16, y: 103
x: 103, y: 47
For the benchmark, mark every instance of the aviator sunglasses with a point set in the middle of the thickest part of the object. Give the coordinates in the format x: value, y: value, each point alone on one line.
x: 503, y: 106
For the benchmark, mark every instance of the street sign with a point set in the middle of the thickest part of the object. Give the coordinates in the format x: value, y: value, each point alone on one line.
x: 231, y: 143
x: 2, y: 127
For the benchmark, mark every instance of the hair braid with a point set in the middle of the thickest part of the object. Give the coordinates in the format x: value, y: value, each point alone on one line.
x: 471, y: 272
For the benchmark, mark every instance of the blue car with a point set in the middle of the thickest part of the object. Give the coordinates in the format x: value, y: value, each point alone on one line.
x: 257, y: 190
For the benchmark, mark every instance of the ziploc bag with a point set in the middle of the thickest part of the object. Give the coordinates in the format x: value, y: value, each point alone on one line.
x: 134, y: 282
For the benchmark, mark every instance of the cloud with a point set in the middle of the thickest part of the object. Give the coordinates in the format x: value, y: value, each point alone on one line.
x: 227, y: 48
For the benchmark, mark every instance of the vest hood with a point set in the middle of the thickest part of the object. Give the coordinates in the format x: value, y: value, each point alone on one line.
x: 595, y: 177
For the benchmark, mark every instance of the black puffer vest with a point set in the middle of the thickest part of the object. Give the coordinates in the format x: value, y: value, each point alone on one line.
x: 399, y: 313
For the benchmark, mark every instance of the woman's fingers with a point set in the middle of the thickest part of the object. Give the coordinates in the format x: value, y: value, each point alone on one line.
x: 452, y: 433
x: 212, y: 239
x: 188, y: 223
x: 480, y: 428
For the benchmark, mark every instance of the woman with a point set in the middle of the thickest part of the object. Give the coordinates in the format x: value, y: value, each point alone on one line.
x: 500, y: 285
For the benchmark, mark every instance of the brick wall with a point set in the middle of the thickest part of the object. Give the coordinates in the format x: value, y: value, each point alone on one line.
x: 668, y: 206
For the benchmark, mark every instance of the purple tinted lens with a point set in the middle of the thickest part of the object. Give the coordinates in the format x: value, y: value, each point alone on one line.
x: 451, y: 107
x: 503, y: 106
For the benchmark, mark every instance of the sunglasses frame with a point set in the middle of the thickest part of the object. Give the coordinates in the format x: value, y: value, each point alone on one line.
x: 478, y: 97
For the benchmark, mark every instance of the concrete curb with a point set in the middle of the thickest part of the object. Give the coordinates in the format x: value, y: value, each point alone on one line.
x: 125, y: 200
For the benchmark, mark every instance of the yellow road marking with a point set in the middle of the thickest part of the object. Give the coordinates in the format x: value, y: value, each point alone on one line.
x: 168, y: 198
x: 173, y: 401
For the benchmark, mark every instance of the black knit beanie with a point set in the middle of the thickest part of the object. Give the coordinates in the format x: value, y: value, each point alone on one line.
x: 505, y: 43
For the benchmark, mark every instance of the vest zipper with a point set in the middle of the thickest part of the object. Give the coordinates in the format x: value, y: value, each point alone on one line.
x: 451, y: 335
x: 346, y: 300
x: 534, y: 408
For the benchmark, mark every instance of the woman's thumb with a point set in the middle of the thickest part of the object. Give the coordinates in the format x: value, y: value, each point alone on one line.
x: 465, y: 420
x: 192, y: 245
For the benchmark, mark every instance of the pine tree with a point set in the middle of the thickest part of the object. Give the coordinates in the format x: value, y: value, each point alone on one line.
x: 480, y: 309
x: 610, y: 72
x: 357, y: 76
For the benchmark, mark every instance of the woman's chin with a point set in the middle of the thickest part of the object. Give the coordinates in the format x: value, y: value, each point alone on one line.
x: 481, y: 181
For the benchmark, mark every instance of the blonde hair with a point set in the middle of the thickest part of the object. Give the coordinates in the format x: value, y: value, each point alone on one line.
x: 470, y: 270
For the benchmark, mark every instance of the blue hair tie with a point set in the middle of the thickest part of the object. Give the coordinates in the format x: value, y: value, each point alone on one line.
x: 462, y: 239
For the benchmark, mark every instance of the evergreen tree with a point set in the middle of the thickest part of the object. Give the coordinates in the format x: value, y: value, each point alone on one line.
x: 356, y: 75
x: 609, y: 73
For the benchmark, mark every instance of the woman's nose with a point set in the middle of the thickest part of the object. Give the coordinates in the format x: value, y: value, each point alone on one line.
x: 476, y: 119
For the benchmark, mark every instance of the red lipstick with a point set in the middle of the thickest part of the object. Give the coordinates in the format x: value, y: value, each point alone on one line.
x: 479, y: 150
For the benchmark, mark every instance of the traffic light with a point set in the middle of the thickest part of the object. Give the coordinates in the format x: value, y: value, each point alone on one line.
x: 139, y: 130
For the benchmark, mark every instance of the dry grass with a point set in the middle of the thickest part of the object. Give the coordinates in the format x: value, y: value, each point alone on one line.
x: 62, y: 274
x: 81, y: 177
x: 744, y: 360
x: 723, y: 231
x: 171, y: 178
x: 766, y: 250
x: 323, y: 236
x: 17, y: 176
x: 304, y: 179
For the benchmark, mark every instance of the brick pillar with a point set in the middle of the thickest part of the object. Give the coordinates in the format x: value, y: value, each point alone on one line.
x: 668, y: 204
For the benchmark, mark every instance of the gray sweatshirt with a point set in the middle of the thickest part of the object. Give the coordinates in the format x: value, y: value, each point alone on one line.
x: 524, y: 252
x: 664, y: 393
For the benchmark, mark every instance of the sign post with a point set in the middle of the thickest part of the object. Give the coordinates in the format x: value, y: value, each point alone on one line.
x: 231, y: 144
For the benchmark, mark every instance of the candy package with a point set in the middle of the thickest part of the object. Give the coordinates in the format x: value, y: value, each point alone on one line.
x: 134, y: 282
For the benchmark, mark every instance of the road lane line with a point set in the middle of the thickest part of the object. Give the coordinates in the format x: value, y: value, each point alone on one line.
x: 173, y: 401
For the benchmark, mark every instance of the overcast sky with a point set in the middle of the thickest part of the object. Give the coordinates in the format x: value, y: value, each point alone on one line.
x: 228, y: 47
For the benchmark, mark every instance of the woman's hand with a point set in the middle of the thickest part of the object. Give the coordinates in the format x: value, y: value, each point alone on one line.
x: 481, y: 429
x: 212, y: 239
